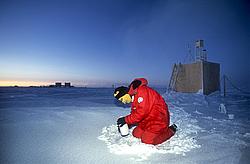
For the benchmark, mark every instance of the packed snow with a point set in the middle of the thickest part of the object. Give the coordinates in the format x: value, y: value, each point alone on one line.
x: 184, y: 141
x: 78, y: 125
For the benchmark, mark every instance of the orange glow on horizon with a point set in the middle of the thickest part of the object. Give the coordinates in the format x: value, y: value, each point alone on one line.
x: 23, y: 83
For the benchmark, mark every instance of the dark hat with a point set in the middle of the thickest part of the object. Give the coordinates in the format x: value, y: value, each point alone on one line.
x: 122, y: 91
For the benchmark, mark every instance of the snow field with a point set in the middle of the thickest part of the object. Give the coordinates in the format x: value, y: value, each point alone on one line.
x: 183, y: 141
x: 78, y: 128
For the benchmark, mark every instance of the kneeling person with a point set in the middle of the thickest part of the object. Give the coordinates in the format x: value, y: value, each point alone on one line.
x: 148, y: 110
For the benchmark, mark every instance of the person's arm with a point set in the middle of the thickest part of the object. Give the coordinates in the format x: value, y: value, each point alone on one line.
x: 142, y: 108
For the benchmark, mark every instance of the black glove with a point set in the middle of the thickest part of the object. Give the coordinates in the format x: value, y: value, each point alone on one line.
x: 121, y: 121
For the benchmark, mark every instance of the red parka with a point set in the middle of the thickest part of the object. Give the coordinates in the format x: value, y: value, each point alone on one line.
x: 148, y: 108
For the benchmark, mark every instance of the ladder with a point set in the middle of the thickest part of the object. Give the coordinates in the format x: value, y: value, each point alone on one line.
x: 173, y: 78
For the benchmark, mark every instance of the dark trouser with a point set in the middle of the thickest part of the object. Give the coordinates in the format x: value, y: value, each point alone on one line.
x: 152, y: 138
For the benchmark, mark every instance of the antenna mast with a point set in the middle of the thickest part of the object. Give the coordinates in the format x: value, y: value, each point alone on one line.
x: 200, y: 52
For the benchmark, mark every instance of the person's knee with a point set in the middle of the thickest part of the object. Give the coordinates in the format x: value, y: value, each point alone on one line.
x: 147, y: 141
x: 149, y: 138
x: 137, y: 132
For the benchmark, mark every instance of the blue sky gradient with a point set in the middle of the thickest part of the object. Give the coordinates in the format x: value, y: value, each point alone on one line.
x: 98, y: 43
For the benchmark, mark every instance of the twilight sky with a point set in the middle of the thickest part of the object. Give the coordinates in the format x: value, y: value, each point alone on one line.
x: 101, y: 42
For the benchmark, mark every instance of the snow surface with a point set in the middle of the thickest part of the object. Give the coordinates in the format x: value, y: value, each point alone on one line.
x: 77, y: 125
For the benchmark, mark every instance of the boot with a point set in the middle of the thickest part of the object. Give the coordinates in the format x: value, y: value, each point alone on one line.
x: 173, y: 128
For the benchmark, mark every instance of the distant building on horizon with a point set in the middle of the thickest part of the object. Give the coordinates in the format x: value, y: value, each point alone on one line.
x: 67, y: 85
x: 58, y: 84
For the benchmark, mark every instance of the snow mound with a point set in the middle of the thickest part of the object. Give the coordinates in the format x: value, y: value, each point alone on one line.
x: 181, y: 143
